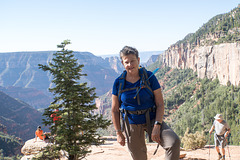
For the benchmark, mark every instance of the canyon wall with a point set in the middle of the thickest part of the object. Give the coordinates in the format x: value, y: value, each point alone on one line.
x: 20, y: 69
x: 222, y: 61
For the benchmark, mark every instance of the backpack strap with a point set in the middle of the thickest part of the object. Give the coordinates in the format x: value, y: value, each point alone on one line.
x: 145, y: 83
x: 121, y: 85
x: 120, y: 90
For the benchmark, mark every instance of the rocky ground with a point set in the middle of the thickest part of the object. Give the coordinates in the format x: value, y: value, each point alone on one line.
x: 111, y: 150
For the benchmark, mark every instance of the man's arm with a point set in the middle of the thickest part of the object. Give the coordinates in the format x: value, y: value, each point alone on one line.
x: 211, y: 130
x: 116, y: 120
x: 35, y: 137
x: 159, y: 102
x: 227, y: 133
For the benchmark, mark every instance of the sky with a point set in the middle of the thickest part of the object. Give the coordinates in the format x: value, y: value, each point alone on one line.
x: 103, y: 27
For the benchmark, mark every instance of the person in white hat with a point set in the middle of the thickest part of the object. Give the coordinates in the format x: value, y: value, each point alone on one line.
x: 222, y: 130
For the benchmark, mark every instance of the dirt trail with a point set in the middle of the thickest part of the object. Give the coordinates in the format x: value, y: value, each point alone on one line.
x: 111, y: 150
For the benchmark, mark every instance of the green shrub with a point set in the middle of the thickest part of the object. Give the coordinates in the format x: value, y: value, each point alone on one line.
x: 193, y: 141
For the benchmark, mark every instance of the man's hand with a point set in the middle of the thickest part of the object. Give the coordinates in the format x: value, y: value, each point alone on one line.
x: 156, y: 133
x: 120, y: 138
x: 226, y: 135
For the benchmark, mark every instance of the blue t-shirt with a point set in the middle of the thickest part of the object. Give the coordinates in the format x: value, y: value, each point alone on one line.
x: 131, y: 104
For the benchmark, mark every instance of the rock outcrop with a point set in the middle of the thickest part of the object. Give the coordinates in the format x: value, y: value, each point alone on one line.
x: 103, y: 103
x: 222, y: 61
x: 32, y: 148
x: 115, y: 64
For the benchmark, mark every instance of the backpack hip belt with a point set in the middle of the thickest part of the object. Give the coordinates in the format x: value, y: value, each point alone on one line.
x: 139, y: 112
x: 125, y: 122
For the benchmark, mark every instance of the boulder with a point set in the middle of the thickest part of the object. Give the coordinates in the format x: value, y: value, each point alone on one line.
x: 32, y: 148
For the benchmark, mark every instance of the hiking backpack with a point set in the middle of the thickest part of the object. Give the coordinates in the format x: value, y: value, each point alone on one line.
x: 144, y: 83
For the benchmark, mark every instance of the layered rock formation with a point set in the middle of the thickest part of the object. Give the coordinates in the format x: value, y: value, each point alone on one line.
x: 115, y: 64
x: 222, y: 61
x: 103, y: 103
x: 20, y: 69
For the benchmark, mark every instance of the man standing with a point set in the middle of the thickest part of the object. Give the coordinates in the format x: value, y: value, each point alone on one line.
x: 222, y: 130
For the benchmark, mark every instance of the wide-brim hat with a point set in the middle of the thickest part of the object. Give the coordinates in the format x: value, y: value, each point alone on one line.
x: 219, y: 116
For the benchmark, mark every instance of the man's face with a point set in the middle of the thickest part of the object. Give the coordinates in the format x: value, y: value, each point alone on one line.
x: 131, y: 63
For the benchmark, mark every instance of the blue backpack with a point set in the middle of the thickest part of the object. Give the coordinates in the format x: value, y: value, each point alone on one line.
x: 144, y: 83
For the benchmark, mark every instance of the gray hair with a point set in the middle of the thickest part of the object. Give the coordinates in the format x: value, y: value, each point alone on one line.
x: 127, y: 50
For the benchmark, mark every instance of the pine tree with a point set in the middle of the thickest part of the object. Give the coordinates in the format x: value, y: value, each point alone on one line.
x: 76, y: 130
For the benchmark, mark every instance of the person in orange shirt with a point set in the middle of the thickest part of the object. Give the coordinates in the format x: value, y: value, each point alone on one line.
x: 39, y: 133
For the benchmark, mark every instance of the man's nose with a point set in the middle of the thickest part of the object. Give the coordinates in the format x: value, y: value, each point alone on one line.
x: 130, y: 64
